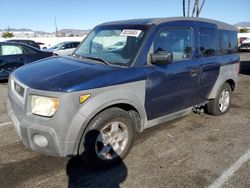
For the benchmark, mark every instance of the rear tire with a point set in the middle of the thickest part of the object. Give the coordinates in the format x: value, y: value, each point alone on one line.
x: 221, y: 104
x: 109, y: 138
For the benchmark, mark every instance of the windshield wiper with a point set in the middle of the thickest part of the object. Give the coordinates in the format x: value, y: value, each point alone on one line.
x: 97, y: 59
x: 92, y: 58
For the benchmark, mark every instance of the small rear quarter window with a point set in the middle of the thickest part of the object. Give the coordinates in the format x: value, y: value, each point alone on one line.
x: 228, y: 42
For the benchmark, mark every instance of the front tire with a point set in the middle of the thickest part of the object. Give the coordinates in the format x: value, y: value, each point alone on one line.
x: 109, y: 138
x: 221, y: 104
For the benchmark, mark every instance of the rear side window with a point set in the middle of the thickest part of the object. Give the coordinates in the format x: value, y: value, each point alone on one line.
x: 30, y: 43
x: 207, y: 42
x: 176, y: 41
x: 228, y: 42
x: 76, y: 44
x: 10, y: 50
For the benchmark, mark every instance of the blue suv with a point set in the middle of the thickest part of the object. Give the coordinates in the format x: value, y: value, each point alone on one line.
x: 94, y: 102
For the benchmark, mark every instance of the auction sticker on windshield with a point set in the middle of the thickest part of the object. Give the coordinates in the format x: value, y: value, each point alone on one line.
x: 130, y: 33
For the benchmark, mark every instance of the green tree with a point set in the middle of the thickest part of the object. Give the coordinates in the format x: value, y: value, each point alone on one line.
x: 7, y: 34
x: 243, y: 30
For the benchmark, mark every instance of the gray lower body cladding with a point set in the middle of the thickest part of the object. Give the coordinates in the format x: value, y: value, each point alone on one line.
x: 227, y: 72
x: 65, y: 129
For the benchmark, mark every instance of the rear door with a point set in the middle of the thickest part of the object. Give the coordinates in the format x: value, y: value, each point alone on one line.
x: 208, y: 57
x: 11, y: 57
x: 174, y: 86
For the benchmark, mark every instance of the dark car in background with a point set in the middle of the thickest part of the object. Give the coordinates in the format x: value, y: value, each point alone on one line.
x: 14, y: 55
x: 28, y: 42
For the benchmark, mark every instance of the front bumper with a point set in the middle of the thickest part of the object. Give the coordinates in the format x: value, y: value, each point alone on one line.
x: 26, y: 130
x: 63, y: 131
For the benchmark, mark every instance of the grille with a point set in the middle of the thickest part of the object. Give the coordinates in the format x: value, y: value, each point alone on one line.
x: 19, y: 89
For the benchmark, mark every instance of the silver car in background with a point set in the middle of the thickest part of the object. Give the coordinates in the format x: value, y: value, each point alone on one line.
x: 64, y: 48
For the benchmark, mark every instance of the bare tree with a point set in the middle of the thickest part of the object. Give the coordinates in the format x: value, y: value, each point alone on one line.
x: 184, y: 8
x: 202, y: 4
x: 188, y: 8
x: 197, y: 8
x: 195, y: 2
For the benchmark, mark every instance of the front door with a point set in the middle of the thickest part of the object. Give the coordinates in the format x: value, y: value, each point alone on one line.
x: 173, y: 86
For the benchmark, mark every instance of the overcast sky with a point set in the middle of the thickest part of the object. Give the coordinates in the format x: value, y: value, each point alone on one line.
x: 85, y: 14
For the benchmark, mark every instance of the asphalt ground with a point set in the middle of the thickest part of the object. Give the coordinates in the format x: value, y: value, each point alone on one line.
x: 198, y: 150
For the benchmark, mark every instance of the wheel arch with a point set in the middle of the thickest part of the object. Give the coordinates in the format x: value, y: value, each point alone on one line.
x: 128, y: 107
x: 232, y: 83
x: 136, y: 112
x: 228, y: 74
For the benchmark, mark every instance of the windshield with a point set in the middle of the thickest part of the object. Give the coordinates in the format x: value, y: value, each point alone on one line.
x: 58, y: 45
x: 117, y: 45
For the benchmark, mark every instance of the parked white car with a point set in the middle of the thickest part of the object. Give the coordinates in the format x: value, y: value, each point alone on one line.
x: 246, y: 41
x: 64, y: 48
x: 245, y: 45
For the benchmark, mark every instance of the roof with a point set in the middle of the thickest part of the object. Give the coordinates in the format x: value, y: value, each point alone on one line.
x: 157, y: 21
x: 9, y: 40
x: 17, y: 43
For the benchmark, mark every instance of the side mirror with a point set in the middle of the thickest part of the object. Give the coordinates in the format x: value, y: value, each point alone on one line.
x: 162, y: 57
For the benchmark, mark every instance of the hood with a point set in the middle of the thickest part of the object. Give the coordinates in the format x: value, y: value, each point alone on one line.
x: 68, y: 74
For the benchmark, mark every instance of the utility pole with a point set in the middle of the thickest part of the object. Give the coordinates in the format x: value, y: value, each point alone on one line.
x: 56, y: 27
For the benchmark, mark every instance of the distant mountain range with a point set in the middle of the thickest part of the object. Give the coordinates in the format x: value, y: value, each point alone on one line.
x: 242, y: 24
x: 79, y: 32
x: 14, y: 29
x: 61, y: 32
x: 75, y: 32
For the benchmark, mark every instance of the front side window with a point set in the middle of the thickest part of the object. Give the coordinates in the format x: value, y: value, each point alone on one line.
x: 207, y: 42
x: 57, y: 45
x: 76, y: 44
x: 115, y: 45
x: 175, y: 41
x: 10, y: 50
x: 67, y: 46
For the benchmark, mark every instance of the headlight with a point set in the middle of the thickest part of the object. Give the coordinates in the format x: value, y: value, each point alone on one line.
x: 44, y: 106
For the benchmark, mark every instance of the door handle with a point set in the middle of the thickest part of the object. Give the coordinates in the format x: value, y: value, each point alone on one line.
x: 195, y: 71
